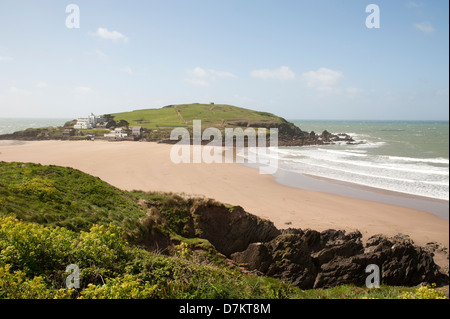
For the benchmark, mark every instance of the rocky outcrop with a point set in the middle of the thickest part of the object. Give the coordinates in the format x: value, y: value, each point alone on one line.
x: 296, y: 255
x: 309, y: 259
x: 306, y: 258
x: 231, y: 229
x: 291, y: 135
x: 400, y: 262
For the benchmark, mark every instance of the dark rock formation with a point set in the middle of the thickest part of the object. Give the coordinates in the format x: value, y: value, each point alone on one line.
x: 231, y: 229
x: 296, y: 255
x: 306, y: 258
x: 309, y: 259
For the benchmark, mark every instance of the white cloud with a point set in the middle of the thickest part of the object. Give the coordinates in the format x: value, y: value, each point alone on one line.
x: 5, y: 58
x: 328, y: 82
x: 199, y: 72
x: 110, y: 35
x: 425, y: 27
x: 41, y: 85
x: 100, y: 54
x: 201, y: 77
x: 282, y: 73
x: 127, y: 69
x: 18, y: 91
x: 83, y: 89
x: 323, y: 79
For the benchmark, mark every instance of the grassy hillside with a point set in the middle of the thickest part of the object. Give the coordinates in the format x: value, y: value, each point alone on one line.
x: 158, y: 124
x: 64, y: 197
x: 53, y: 216
x: 213, y: 115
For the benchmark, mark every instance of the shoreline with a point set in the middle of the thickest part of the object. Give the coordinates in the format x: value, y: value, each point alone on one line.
x: 147, y: 167
x: 436, y: 206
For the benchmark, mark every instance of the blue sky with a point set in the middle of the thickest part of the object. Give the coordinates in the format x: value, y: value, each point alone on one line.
x: 298, y: 59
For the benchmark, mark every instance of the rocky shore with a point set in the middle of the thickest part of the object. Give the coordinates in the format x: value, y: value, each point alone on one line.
x: 307, y: 258
x: 288, y: 135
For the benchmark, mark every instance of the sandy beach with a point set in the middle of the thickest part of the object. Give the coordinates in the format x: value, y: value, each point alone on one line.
x: 147, y: 166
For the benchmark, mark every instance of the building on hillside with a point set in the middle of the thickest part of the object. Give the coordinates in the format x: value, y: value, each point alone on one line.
x: 88, y: 122
x: 117, y: 133
x: 136, y: 130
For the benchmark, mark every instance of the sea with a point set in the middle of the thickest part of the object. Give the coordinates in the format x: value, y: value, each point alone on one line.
x: 410, y: 157
x: 11, y: 125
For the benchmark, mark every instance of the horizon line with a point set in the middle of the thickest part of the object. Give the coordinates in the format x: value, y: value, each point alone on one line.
x: 289, y: 119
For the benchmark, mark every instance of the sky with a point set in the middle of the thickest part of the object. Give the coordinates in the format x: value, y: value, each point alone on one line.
x: 299, y: 59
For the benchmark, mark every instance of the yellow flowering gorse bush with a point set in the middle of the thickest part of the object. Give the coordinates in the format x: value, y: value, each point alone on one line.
x: 33, y: 259
x: 424, y: 292
x: 40, y: 187
x: 15, y: 285
x: 183, y: 250
x: 126, y: 287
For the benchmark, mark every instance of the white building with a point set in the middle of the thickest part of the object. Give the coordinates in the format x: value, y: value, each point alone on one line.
x: 88, y: 122
x: 117, y: 133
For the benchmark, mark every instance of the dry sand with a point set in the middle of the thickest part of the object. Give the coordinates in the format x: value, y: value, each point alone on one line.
x: 147, y: 166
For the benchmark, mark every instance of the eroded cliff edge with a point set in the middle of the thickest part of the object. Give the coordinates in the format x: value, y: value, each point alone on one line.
x: 306, y: 258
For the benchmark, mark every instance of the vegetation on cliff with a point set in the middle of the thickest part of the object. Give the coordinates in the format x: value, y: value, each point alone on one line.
x: 157, y: 125
x: 129, y: 244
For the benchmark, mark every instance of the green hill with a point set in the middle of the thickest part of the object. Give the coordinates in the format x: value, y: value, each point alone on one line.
x: 157, y: 125
x: 211, y: 115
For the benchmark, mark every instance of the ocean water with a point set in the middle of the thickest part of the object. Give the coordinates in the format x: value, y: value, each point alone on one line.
x: 406, y: 157
x: 11, y: 125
